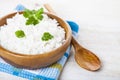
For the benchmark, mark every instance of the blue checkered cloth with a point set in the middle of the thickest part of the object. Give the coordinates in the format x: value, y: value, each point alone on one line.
x: 47, y: 73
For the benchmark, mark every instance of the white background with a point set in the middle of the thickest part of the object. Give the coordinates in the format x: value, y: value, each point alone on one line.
x: 99, y: 22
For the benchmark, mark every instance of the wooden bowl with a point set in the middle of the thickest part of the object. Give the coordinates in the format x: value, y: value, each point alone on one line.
x: 37, y: 60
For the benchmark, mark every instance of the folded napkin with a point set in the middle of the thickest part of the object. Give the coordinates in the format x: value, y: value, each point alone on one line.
x: 51, y: 72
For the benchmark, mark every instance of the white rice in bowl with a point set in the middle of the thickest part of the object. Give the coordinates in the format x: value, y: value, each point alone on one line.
x: 32, y: 42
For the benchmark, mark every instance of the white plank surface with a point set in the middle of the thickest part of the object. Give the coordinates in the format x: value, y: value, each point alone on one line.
x: 99, y: 22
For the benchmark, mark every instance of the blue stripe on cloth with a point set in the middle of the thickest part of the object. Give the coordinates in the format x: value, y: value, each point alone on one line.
x: 24, y: 74
x: 66, y: 55
x: 19, y: 7
x: 33, y: 76
x: 62, y: 60
x: 16, y: 71
x: 6, y: 68
x: 74, y: 26
x: 49, y: 72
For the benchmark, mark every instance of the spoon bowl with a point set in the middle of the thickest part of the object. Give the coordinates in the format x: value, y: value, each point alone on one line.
x: 85, y: 58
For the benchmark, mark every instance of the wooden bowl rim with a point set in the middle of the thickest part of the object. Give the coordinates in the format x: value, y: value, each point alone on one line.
x: 69, y: 35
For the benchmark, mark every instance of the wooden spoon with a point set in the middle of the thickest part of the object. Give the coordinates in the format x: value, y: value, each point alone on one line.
x: 85, y: 58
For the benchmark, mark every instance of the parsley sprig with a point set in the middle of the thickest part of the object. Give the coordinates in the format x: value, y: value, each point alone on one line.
x: 33, y: 16
x: 20, y: 33
x: 46, y: 36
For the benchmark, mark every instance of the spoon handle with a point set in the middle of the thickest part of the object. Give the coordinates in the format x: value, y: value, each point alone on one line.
x: 49, y: 8
x: 76, y: 44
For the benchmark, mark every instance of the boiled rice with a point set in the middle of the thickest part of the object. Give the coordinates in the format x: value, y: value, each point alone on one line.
x: 31, y: 43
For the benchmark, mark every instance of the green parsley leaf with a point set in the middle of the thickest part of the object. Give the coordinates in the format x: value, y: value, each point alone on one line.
x: 33, y: 16
x: 46, y: 36
x: 27, y: 13
x: 38, y: 13
x: 40, y: 17
x: 32, y: 20
x: 20, y: 34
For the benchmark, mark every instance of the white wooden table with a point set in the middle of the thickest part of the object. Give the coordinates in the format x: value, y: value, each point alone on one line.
x: 99, y: 22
